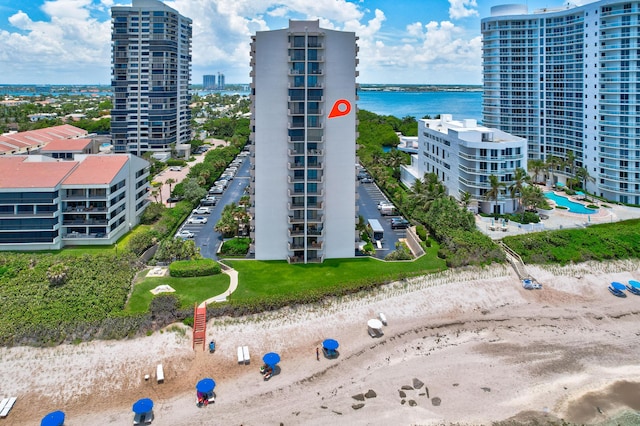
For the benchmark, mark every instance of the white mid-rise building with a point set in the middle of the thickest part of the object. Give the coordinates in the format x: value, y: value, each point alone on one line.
x: 463, y: 155
x: 304, y: 143
x: 568, y: 80
x: 151, y: 56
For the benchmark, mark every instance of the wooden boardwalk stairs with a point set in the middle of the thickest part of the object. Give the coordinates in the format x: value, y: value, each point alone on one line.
x: 199, y: 325
x: 515, y: 261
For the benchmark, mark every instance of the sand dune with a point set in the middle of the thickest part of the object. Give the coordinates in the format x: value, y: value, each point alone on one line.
x: 466, y: 347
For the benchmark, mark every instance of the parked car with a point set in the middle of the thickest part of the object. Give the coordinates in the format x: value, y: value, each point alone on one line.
x: 175, y: 168
x: 226, y: 176
x: 399, y: 223
x: 222, y: 182
x: 202, y: 210
x: 362, y: 174
x: 185, y: 234
x: 366, y: 180
x: 209, y: 201
x: 174, y: 199
x: 216, y: 190
x: 197, y: 220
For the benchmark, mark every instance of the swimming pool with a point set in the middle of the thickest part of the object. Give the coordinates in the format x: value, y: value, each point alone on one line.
x: 571, y: 205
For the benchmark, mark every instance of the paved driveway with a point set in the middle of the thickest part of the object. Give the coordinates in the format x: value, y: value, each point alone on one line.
x: 369, y: 196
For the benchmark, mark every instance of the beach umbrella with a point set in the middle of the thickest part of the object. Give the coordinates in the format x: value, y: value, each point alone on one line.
x: 205, y: 385
x: 55, y: 418
x: 618, y: 286
x: 376, y: 324
x: 271, y: 359
x: 142, y: 406
x: 330, y: 344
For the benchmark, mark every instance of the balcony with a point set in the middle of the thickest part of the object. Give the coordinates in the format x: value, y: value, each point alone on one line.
x: 299, y: 220
x: 298, y: 231
x: 292, y: 179
x: 301, y: 193
x: 300, y: 259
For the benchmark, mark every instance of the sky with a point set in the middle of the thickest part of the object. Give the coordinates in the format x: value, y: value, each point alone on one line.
x: 400, y: 41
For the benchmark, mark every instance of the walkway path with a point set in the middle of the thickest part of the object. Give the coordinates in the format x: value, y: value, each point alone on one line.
x: 233, y: 285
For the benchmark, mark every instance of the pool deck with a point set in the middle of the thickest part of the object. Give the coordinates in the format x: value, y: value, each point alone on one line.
x: 560, y: 219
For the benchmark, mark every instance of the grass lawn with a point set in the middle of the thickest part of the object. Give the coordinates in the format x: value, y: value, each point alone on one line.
x: 189, y: 290
x: 265, y: 278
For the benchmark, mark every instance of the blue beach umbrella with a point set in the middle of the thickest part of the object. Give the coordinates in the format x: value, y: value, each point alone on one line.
x: 55, y: 418
x: 618, y: 286
x: 330, y: 344
x: 271, y: 359
x: 205, y: 385
x: 142, y: 406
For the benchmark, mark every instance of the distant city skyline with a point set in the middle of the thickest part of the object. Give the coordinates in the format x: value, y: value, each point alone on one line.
x: 413, y: 42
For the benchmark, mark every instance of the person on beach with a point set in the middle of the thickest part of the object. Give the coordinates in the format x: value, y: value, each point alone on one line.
x: 317, y: 354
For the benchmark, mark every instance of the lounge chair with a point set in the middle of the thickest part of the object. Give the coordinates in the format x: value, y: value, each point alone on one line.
x: 634, y: 287
x: 245, y: 353
x: 240, y: 355
x: 616, y: 292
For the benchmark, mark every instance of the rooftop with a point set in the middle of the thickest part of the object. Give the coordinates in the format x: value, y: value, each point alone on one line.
x: 97, y: 170
x: 20, y: 171
x: 66, y: 145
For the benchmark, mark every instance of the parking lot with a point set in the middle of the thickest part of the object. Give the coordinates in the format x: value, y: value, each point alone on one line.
x: 369, y: 197
x: 205, y: 237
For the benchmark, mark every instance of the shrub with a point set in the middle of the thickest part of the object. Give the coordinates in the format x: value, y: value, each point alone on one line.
x: 194, y: 268
x: 236, y: 246
x: 141, y: 241
x: 562, y: 208
x: 422, y: 232
x: 152, y: 213
x: 592, y: 206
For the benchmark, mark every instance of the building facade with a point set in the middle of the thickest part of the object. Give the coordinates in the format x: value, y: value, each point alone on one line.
x: 463, y: 154
x: 151, y: 56
x: 303, y: 95
x: 209, y: 82
x: 221, y: 81
x: 46, y: 204
x: 568, y: 80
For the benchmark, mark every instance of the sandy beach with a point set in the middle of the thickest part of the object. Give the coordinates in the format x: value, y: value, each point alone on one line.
x: 462, y: 347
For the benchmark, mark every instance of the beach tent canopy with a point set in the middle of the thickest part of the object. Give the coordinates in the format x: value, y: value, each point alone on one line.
x: 271, y: 359
x: 330, y: 344
x: 205, y: 385
x: 618, y: 286
x: 142, y: 406
x: 376, y: 324
x: 55, y: 418
x: 634, y: 283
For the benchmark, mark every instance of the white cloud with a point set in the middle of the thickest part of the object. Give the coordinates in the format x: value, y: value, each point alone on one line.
x: 75, y: 39
x: 462, y: 8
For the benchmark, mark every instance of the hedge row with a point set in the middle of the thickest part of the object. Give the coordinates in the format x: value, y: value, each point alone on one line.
x: 194, y: 268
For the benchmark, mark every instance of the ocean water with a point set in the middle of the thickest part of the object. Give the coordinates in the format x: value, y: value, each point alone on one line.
x: 418, y: 104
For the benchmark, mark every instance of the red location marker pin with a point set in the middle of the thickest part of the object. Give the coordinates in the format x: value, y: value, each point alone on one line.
x: 340, y: 108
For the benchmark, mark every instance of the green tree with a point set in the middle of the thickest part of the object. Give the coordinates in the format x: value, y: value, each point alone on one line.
x: 520, y: 179
x: 552, y: 164
x: 583, y: 175
x: 536, y: 166
x: 496, y: 188
x: 192, y: 191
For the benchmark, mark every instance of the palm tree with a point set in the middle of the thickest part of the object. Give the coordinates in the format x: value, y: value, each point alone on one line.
x: 495, y: 190
x: 570, y: 162
x: 520, y: 180
x: 583, y: 175
x: 170, y: 182
x: 552, y: 164
x: 536, y: 166
x: 532, y: 196
x: 465, y: 199
x: 426, y: 190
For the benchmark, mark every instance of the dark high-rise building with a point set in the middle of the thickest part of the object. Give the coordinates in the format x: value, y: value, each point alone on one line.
x: 209, y: 82
x: 151, y: 75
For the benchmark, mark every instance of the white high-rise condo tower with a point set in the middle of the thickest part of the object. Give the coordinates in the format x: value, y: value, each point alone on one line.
x: 151, y: 55
x: 303, y: 94
x: 568, y: 80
